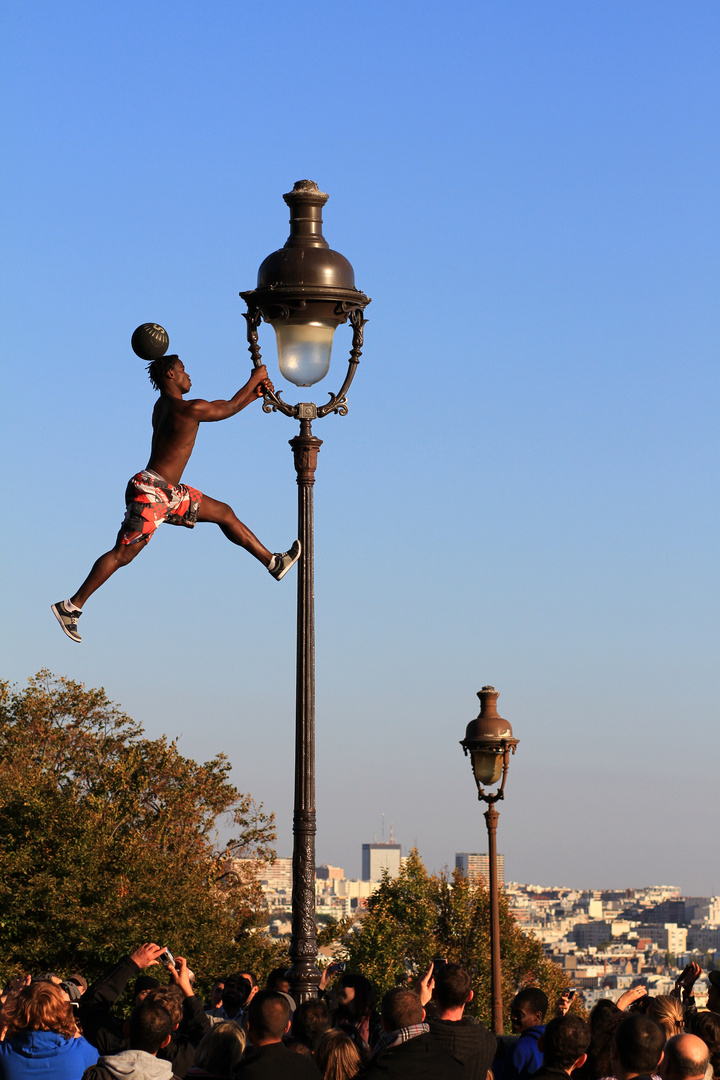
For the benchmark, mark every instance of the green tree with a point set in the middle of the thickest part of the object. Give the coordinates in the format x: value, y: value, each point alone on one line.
x: 416, y: 916
x: 110, y: 840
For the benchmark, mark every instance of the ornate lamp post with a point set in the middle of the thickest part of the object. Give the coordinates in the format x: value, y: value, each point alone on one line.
x: 305, y: 291
x: 489, y: 742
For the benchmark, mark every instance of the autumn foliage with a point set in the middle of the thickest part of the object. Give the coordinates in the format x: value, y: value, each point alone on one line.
x: 110, y: 839
x: 417, y: 916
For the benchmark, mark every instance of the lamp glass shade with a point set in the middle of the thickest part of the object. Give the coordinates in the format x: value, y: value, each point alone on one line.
x: 487, y: 766
x: 304, y: 350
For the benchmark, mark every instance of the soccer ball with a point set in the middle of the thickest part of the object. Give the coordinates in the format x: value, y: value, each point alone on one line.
x: 150, y: 341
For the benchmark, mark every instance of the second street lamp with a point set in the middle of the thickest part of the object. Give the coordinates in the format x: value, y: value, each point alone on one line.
x: 489, y: 742
x: 305, y: 290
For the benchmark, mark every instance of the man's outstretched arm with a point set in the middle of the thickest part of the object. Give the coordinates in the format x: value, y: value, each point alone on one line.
x: 255, y: 387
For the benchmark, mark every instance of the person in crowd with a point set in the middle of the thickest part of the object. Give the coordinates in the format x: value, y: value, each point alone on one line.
x: 268, y: 1058
x: 214, y: 1008
x: 713, y: 998
x: 106, y: 1031
x: 337, y: 1056
x: 685, y: 1057
x: 356, y: 1007
x: 706, y: 1026
x: 667, y: 1011
x: 219, y: 1052
x: 149, y: 1030
x: 254, y: 984
x: 406, y: 1048
x: 278, y: 980
x: 237, y: 992
x: 603, y: 1025
x: 310, y: 1022
x: 637, y: 1048
x: 466, y: 1039
x: 41, y: 1036
x: 564, y: 1045
x: 527, y: 1013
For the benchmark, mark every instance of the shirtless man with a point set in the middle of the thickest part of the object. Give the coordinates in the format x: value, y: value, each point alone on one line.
x: 156, y: 494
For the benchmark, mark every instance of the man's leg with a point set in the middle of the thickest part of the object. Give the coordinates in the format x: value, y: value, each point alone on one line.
x: 105, y: 567
x: 223, y: 515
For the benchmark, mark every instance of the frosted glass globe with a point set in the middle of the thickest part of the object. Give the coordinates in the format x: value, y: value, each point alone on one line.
x: 487, y: 766
x: 304, y: 350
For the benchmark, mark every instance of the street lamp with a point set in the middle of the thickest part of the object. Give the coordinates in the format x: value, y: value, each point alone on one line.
x: 489, y: 742
x: 305, y: 290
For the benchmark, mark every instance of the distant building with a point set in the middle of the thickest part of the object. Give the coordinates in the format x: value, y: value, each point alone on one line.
x: 478, y: 866
x: 670, y: 937
x: 379, y: 857
x: 278, y: 875
x: 704, y: 937
x: 592, y: 933
x: 702, y: 909
x: 329, y: 873
x: 669, y: 911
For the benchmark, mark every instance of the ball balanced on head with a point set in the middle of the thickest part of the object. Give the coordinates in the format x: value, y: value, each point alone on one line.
x: 150, y: 341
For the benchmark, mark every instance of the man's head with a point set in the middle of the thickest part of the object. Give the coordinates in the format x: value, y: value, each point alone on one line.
x: 355, y: 996
x: 278, y: 980
x: 713, y: 999
x: 453, y: 987
x: 401, y: 1008
x: 151, y: 1026
x: 168, y: 369
x: 268, y: 1017
x: 310, y: 1022
x: 254, y: 984
x: 565, y: 1042
x: 685, y: 1058
x: 171, y: 998
x: 528, y: 1009
x: 216, y: 993
x: 638, y: 1046
x: 143, y: 985
x: 236, y: 994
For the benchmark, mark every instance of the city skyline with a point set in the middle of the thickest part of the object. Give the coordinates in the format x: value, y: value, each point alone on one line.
x: 524, y: 492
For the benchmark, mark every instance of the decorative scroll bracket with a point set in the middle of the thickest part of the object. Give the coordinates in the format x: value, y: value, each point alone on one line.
x: 272, y: 402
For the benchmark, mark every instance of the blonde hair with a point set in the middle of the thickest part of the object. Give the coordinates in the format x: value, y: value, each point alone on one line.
x: 220, y: 1050
x: 668, y: 1013
x: 41, y: 1006
x: 337, y: 1056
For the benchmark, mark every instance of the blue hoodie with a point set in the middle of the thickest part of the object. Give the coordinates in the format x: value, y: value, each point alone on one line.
x: 524, y: 1059
x: 45, y: 1055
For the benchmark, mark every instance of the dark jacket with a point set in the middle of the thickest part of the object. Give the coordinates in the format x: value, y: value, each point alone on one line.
x: 46, y: 1055
x: 417, y: 1059
x: 105, y: 1031
x: 276, y: 1062
x: 467, y: 1040
x: 524, y: 1059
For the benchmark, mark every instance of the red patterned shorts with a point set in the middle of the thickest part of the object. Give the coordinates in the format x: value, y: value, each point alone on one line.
x: 150, y: 501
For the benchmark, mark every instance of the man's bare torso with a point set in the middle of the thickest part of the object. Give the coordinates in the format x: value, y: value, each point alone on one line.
x: 174, y: 434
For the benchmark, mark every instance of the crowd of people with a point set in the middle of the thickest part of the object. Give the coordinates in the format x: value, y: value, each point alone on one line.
x: 62, y: 1029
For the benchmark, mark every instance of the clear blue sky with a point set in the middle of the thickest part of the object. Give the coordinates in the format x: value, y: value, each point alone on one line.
x: 525, y: 492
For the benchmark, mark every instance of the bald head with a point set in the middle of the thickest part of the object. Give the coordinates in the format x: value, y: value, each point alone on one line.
x: 686, y: 1058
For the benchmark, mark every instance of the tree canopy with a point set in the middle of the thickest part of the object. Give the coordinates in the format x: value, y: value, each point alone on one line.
x: 416, y: 916
x: 110, y: 840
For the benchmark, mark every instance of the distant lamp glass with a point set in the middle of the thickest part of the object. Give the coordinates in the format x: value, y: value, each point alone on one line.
x: 304, y: 350
x: 487, y: 766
